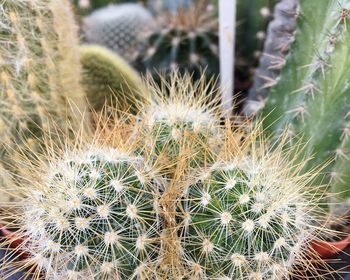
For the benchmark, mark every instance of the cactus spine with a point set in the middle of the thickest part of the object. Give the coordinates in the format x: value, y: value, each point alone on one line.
x: 39, y: 72
x: 187, y: 41
x: 312, y: 93
x: 108, y: 79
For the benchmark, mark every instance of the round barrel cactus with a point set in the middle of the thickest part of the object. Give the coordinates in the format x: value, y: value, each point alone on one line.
x: 244, y: 220
x: 94, y: 216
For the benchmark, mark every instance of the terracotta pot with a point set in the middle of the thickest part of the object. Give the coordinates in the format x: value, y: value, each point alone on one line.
x: 329, y: 249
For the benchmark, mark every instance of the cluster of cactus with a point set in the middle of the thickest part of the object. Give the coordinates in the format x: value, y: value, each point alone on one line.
x: 108, y: 211
x: 39, y: 74
x: 311, y: 96
x: 186, y: 41
x: 108, y: 79
x: 118, y: 27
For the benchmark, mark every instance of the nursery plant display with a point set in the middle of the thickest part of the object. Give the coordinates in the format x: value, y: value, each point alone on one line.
x: 39, y: 74
x: 109, y: 80
x: 311, y: 96
x: 118, y: 27
x: 186, y: 41
x: 100, y: 208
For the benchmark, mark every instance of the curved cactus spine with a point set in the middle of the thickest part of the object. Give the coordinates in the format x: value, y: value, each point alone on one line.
x: 108, y: 79
x: 248, y: 216
x: 39, y: 72
x: 94, y: 214
x: 312, y: 94
x: 118, y: 27
x: 187, y: 41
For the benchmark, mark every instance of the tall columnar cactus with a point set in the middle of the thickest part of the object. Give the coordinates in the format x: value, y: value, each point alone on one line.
x: 118, y: 27
x: 39, y: 72
x: 247, y: 217
x: 108, y: 79
x: 279, y: 38
x: 312, y: 94
x: 93, y: 215
x: 187, y: 41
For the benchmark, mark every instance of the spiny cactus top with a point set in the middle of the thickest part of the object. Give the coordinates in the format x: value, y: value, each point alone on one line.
x: 118, y: 27
x: 188, y: 115
x: 94, y: 215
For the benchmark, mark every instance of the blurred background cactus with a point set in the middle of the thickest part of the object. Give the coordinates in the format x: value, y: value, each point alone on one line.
x: 39, y: 74
x: 109, y: 80
x: 184, y: 41
x: 118, y: 27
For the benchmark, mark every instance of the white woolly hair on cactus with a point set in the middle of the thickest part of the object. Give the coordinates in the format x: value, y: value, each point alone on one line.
x: 89, y: 211
x: 251, y: 214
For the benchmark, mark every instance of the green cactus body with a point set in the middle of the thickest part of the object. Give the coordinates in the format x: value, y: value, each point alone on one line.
x: 312, y: 93
x: 239, y: 226
x: 188, y: 41
x: 118, y: 27
x: 39, y: 72
x: 108, y: 79
x: 95, y: 217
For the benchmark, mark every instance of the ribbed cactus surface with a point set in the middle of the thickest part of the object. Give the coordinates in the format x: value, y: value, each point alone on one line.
x: 312, y: 94
x: 39, y: 72
x: 93, y: 217
x: 118, y: 27
x: 187, y: 41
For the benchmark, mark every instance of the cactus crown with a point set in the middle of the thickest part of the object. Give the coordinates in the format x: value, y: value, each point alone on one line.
x: 93, y: 216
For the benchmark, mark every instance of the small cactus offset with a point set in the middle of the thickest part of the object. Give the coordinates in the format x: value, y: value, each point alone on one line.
x: 93, y: 215
x: 188, y: 41
x: 248, y: 217
x: 311, y: 96
x: 118, y: 27
x: 39, y: 72
x: 108, y: 79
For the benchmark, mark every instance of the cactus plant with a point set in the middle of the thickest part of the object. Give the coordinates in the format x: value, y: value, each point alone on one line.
x: 39, y: 73
x: 180, y: 115
x: 92, y: 215
x: 279, y: 37
x: 247, y: 216
x: 118, y: 27
x: 108, y: 79
x: 311, y: 97
x: 187, y: 41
